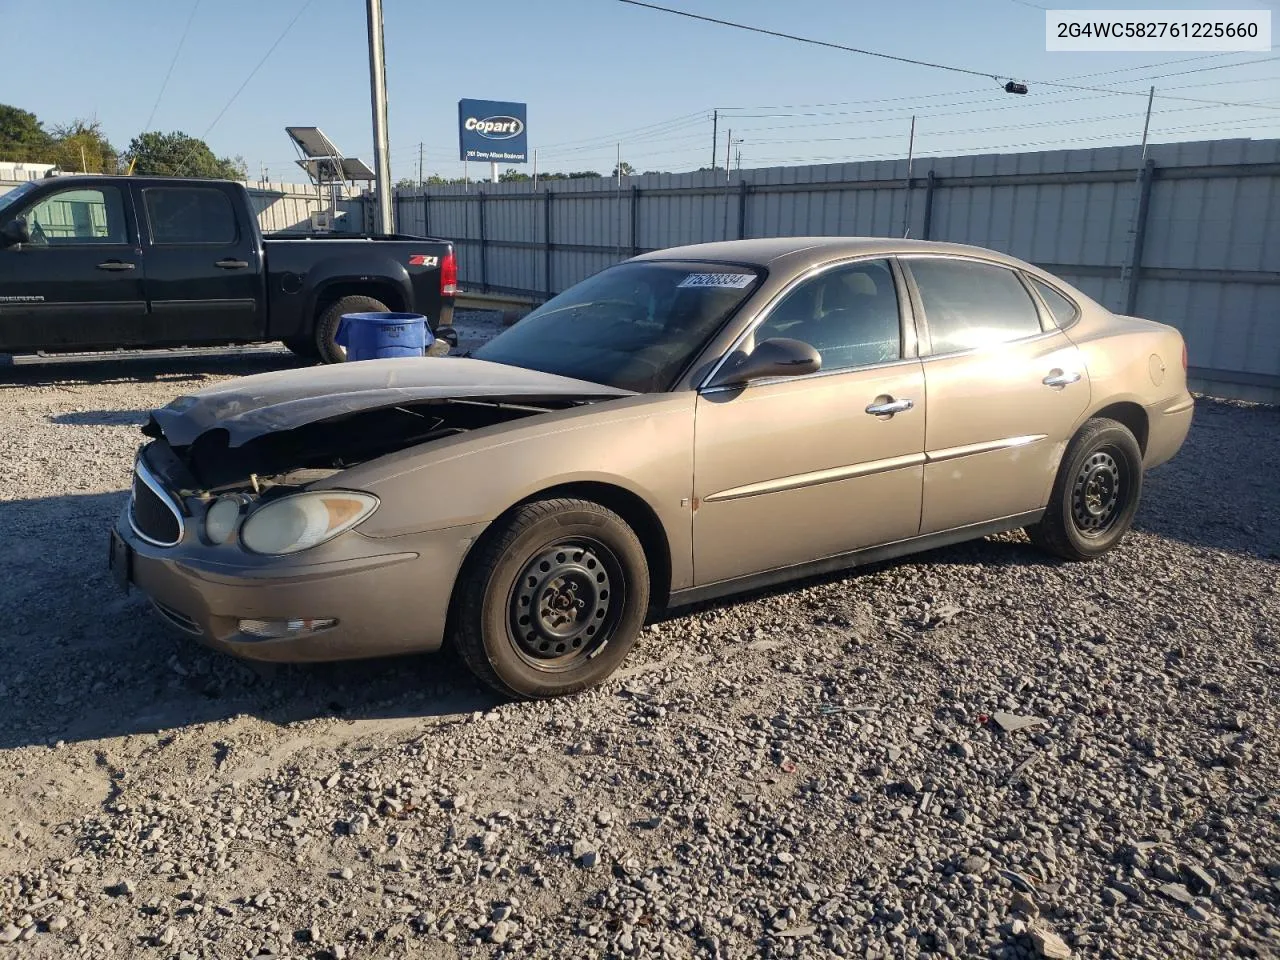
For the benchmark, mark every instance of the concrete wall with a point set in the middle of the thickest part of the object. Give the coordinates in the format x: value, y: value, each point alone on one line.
x: 1191, y: 238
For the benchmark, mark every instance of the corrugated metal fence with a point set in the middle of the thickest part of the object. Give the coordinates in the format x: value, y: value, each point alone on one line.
x: 1190, y: 237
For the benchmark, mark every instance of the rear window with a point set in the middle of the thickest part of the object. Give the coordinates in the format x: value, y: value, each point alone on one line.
x: 190, y: 215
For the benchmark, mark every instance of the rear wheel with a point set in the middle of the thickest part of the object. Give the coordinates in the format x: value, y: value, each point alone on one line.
x: 1095, y: 494
x: 326, y: 331
x: 553, y: 600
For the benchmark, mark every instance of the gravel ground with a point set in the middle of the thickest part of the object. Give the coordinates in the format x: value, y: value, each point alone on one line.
x: 806, y: 772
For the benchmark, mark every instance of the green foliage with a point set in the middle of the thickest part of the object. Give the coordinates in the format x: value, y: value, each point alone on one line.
x: 179, y: 155
x: 623, y: 169
x: 83, y: 147
x: 22, y: 137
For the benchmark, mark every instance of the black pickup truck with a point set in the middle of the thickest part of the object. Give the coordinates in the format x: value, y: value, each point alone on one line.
x: 101, y: 263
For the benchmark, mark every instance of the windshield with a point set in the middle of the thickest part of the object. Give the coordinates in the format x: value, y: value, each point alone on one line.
x: 13, y: 196
x: 635, y: 326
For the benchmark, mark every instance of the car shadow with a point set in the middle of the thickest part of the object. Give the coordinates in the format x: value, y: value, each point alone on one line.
x: 148, y: 368
x: 102, y: 418
x: 84, y: 661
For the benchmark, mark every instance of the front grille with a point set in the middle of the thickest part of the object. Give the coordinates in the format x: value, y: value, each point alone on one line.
x: 179, y: 620
x: 153, y: 515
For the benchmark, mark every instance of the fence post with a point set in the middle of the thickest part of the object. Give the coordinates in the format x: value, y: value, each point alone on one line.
x: 484, y: 260
x: 635, y: 219
x: 929, y: 184
x: 1139, y: 236
x: 426, y: 212
x: 742, y: 209
x: 546, y: 242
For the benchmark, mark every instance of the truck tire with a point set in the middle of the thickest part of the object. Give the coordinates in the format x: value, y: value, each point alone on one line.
x: 327, y: 325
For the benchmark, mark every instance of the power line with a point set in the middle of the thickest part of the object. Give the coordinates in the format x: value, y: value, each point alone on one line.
x: 810, y: 40
x: 918, y: 63
x: 227, y: 106
x: 168, y: 73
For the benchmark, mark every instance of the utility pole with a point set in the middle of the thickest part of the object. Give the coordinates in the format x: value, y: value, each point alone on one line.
x: 421, y: 182
x: 911, y: 149
x: 715, y: 122
x: 728, y: 141
x: 381, y: 144
x: 1146, y: 124
x: 618, y: 171
x: 535, y: 170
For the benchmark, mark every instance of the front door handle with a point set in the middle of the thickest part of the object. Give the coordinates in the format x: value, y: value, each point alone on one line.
x: 1058, y: 378
x: 889, y: 406
x: 116, y: 265
x: 231, y: 264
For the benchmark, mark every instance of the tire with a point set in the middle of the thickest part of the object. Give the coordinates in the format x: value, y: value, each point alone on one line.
x: 326, y: 346
x: 1095, y: 494
x: 553, y: 552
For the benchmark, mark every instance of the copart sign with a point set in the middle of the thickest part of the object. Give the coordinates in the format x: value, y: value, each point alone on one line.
x: 492, y: 130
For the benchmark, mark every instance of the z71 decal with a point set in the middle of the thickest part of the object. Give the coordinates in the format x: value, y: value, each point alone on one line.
x: 423, y: 260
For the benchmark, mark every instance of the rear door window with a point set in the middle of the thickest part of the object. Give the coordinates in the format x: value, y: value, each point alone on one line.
x: 190, y: 215
x: 1063, y: 310
x: 969, y: 305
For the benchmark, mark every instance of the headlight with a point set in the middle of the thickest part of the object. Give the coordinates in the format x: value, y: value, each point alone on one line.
x: 221, y: 519
x: 304, y: 520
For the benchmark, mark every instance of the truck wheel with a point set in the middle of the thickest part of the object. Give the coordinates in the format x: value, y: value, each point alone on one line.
x: 552, y: 600
x: 328, y: 320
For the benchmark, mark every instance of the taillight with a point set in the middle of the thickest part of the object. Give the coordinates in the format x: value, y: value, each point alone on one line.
x: 449, y: 275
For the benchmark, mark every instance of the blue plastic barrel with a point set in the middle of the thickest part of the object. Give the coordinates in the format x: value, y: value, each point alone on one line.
x: 376, y: 336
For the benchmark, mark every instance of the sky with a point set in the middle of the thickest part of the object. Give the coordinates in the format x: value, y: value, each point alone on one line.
x: 596, y: 73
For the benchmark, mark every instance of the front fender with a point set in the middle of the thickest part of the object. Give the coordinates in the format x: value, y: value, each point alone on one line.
x: 641, y: 444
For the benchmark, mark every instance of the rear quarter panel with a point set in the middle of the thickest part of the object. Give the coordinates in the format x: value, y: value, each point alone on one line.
x: 1132, y: 360
x: 642, y: 444
x: 299, y: 272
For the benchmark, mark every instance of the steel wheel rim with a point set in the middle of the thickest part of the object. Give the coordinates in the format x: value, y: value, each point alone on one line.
x: 1099, y: 493
x: 565, y: 604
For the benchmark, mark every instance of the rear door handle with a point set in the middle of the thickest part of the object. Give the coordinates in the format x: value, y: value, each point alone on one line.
x: 116, y: 265
x: 232, y: 264
x: 889, y: 407
x: 1060, y: 379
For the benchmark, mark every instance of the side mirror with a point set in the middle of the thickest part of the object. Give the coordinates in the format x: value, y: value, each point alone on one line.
x: 777, y: 357
x: 15, y: 232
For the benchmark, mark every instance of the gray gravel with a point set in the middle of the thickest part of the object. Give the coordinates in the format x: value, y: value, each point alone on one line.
x: 979, y: 753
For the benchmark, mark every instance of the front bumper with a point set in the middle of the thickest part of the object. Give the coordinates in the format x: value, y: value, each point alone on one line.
x: 393, y: 601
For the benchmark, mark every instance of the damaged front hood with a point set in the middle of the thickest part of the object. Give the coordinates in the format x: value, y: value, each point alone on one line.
x: 270, y: 402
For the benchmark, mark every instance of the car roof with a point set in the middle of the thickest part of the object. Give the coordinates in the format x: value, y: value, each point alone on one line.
x: 802, y: 251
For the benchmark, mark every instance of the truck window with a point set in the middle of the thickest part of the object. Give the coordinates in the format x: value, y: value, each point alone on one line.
x: 190, y: 215
x: 76, y: 216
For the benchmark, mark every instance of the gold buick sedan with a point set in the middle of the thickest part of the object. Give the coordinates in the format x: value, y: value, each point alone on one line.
x: 689, y: 423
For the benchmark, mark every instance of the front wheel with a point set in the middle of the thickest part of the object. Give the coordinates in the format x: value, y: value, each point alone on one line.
x: 1095, y: 494
x: 553, y: 599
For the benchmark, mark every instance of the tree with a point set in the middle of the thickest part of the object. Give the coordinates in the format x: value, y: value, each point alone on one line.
x: 406, y: 183
x: 84, y: 147
x: 623, y: 169
x: 178, y: 155
x: 512, y: 175
x: 22, y: 137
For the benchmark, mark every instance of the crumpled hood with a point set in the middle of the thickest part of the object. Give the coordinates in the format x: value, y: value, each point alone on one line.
x: 265, y: 403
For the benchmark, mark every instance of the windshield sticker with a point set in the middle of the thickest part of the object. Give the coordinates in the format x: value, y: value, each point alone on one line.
x: 734, y: 281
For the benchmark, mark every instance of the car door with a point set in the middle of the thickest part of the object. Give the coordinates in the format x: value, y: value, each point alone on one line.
x: 1005, y: 388
x: 79, y: 282
x: 789, y: 470
x: 203, y: 269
